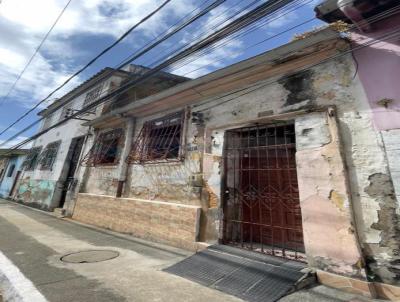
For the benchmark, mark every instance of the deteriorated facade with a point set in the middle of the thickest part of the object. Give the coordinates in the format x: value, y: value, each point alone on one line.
x: 10, y: 171
x: 49, y: 168
x: 288, y: 153
x: 52, y: 167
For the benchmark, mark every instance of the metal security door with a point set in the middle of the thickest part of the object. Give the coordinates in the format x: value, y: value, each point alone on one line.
x: 261, y: 206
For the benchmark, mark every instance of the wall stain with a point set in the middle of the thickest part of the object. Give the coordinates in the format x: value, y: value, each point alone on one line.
x: 300, y: 87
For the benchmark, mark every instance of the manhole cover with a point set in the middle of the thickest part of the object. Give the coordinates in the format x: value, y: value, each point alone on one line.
x: 89, y: 256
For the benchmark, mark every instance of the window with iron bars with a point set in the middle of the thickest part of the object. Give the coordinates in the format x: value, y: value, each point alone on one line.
x: 159, y: 140
x: 49, y: 155
x: 32, y: 159
x: 105, y: 150
x: 93, y: 95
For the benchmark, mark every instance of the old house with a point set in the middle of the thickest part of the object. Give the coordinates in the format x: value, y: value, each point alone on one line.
x: 51, y: 169
x: 10, y: 171
x: 290, y: 153
x: 51, y: 163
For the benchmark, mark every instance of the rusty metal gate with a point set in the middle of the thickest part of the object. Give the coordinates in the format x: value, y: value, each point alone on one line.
x: 261, y: 204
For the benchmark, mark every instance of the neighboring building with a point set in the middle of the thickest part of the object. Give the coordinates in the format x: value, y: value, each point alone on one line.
x: 50, y: 166
x: 10, y: 170
x: 279, y: 154
x: 51, y: 169
x: 374, y: 164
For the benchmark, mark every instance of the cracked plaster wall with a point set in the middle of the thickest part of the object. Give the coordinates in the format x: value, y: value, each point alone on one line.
x: 172, y: 182
x: 339, y: 186
x: 363, y: 155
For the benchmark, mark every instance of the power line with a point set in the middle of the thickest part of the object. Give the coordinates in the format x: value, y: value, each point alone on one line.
x: 390, y: 11
x: 87, y: 65
x: 391, y: 35
x: 128, y: 60
x: 236, y: 25
x: 373, y: 19
x: 122, y: 89
x: 394, y: 34
x: 241, y: 34
x: 161, y: 56
x: 35, y: 53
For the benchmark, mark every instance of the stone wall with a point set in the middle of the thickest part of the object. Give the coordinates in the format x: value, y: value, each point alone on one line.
x: 169, y: 223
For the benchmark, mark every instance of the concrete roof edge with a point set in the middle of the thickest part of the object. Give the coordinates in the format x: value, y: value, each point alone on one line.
x: 268, y: 56
x: 82, y: 88
x: 13, y: 152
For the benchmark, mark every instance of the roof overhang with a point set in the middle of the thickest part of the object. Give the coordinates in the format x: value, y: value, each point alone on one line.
x: 13, y: 152
x: 274, y: 63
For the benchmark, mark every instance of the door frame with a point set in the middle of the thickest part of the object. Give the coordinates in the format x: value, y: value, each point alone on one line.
x: 297, y: 255
x: 67, y: 166
x: 14, y: 185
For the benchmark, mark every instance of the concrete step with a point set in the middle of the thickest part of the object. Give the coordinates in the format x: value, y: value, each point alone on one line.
x: 59, y: 212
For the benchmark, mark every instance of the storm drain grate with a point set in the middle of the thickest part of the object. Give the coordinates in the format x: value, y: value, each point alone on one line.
x: 91, y: 256
x: 247, y: 275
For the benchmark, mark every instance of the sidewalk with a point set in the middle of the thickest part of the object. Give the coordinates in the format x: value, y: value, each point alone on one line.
x: 34, y: 242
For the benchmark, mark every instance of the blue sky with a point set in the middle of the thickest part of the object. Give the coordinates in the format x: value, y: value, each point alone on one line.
x: 88, y: 26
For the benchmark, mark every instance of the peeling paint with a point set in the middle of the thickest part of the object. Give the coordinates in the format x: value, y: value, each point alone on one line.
x: 37, y: 193
x: 384, y: 262
x: 337, y: 199
x: 300, y: 87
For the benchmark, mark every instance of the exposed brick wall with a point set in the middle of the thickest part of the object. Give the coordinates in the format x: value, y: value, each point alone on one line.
x: 168, y: 223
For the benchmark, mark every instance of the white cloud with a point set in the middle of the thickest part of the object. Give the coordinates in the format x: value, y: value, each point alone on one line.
x: 23, y: 23
x: 215, y: 59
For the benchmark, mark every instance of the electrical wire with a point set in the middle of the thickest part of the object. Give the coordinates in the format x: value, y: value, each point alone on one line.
x: 394, y: 34
x: 228, y: 17
x: 104, y: 100
x: 389, y: 12
x: 81, y: 69
x: 220, y: 45
x: 234, y: 26
x: 239, y: 35
x: 35, y: 53
x: 371, y: 19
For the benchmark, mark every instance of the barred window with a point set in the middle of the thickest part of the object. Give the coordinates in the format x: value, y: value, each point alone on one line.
x: 49, y: 155
x: 32, y: 159
x: 93, y: 95
x: 159, y: 140
x: 105, y: 150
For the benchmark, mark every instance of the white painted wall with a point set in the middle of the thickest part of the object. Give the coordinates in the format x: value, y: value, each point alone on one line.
x: 66, y: 133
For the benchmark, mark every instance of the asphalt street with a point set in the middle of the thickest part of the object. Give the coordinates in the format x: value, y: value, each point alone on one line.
x: 33, y: 242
